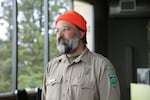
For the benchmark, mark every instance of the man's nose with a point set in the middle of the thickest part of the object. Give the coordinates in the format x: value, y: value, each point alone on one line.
x: 60, y: 34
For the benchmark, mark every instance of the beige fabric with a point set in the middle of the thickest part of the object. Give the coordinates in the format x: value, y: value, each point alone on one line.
x: 89, y: 77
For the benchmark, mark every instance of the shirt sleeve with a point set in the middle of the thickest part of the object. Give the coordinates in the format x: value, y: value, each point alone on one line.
x: 43, y: 90
x: 43, y: 94
x: 108, y: 82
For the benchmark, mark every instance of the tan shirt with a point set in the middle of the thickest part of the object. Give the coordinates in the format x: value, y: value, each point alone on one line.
x: 90, y: 77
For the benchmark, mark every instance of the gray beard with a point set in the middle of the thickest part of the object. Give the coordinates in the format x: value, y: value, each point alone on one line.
x: 68, y: 45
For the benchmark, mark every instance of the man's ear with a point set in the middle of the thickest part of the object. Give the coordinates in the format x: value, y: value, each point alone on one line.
x: 82, y: 34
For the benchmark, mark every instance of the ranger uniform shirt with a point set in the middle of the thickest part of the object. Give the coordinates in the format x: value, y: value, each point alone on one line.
x: 90, y: 76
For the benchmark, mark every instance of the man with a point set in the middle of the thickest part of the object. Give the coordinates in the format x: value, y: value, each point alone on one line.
x: 77, y: 73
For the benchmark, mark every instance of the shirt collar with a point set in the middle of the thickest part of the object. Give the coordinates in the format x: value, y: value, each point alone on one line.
x: 82, y: 57
x: 63, y: 58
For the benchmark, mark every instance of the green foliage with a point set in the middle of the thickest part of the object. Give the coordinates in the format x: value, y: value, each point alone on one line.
x: 5, y: 66
x: 30, y: 42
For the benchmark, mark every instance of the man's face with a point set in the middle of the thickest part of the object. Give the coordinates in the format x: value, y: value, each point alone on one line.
x: 67, y: 37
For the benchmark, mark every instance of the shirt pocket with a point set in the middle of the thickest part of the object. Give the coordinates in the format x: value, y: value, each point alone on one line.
x: 83, y: 88
x: 53, y: 85
x: 83, y: 83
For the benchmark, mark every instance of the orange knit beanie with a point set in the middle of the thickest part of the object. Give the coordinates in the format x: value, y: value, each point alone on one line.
x: 74, y: 18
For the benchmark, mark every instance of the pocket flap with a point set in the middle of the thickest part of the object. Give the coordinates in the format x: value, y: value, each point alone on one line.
x: 53, y: 80
x: 83, y: 83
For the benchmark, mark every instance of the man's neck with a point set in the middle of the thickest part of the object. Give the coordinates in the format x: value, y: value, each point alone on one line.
x: 77, y: 51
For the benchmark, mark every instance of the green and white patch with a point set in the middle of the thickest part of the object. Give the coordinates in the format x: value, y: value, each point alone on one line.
x: 109, y: 68
x: 113, y: 80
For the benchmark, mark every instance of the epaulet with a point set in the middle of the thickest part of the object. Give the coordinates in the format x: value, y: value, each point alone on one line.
x: 57, y: 55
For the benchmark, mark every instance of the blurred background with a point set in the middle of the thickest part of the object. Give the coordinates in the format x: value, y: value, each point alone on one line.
x: 117, y: 29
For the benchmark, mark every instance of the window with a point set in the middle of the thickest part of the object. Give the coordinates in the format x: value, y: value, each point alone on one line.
x: 88, y: 13
x: 5, y: 45
x: 54, y: 12
x: 30, y: 41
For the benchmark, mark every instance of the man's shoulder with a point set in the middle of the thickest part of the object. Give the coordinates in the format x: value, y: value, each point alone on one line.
x: 97, y: 57
x: 54, y: 61
x: 56, y: 58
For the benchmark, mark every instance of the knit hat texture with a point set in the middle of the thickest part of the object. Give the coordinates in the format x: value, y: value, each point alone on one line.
x: 74, y: 18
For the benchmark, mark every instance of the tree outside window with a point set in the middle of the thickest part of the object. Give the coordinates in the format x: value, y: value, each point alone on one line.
x: 30, y: 41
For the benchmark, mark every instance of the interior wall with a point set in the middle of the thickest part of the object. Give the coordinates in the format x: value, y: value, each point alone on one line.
x: 101, y: 12
x: 122, y: 40
x: 127, y: 49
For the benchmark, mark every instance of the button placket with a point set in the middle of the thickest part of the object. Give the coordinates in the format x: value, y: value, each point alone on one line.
x: 67, y: 78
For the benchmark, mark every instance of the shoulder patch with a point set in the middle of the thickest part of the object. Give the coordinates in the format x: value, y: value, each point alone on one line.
x: 113, y: 80
x: 109, y: 68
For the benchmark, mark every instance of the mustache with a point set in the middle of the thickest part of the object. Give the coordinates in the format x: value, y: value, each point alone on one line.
x: 62, y: 39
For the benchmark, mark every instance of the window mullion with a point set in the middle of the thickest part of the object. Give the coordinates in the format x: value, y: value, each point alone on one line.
x: 46, y: 33
x: 14, y: 48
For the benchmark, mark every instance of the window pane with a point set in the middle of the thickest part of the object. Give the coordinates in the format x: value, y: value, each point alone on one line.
x: 88, y: 14
x: 56, y: 7
x: 5, y: 45
x: 31, y: 40
x: 30, y: 43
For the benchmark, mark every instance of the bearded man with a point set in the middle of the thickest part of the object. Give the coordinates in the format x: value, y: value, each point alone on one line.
x: 77, y: 73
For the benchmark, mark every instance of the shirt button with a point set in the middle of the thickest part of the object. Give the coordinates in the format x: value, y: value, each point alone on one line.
x: 63, y: 94
x: 66, y: 81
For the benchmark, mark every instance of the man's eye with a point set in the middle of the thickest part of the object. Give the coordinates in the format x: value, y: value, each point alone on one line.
x: 66, y: 29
